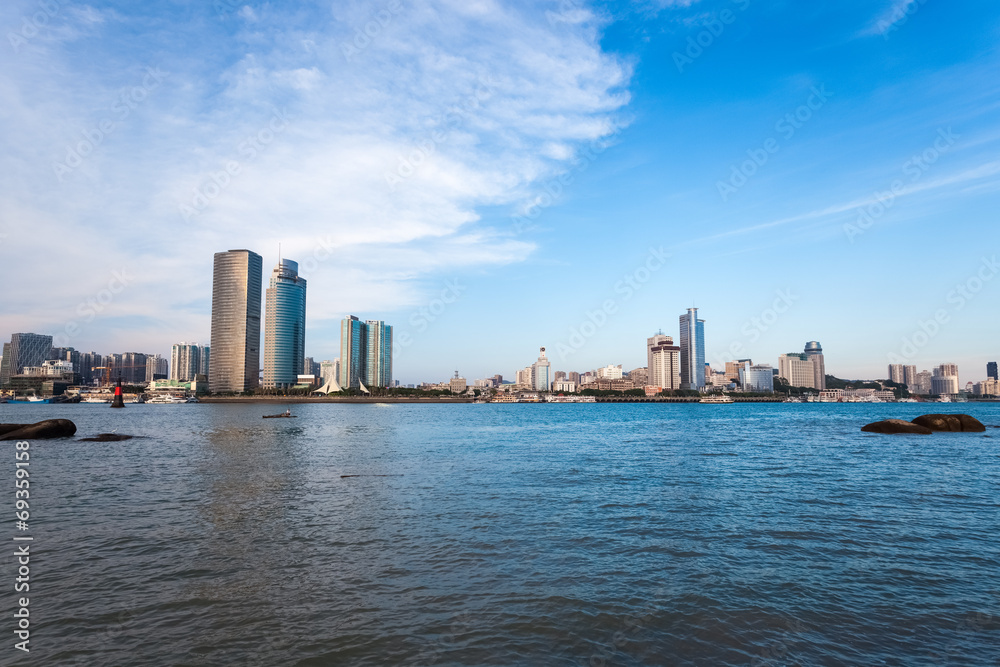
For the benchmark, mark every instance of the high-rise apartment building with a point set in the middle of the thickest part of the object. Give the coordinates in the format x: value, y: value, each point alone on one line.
x: 948, y: 369
x: 542, y: 372
x: 896, y: 373
x: 663, y: 359
x: 236, y: 295
x: 378, y: 365
x: 353, y: 356
x: 284, y: 326
x: 365, y: 353
x: 991, y: 370
x: 692, y: 346
x: 156, y: 368
x: 188, y: 360
x: 24, y: 349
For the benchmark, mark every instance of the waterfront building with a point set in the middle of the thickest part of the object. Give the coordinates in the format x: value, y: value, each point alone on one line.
x: 458, y: 385
x: 991, y: 370
x: 329, y: 370
x: 236, y: 295
x: 573, y: 377
x: 758, y: 379
x: 541, y: 372
x: 353, y: 340
x: 814, y: 351
x: 692, y: 350
x: 663, y: 361
x: 896, y: 373
x: 284, y: 327
x: 564, y: 386
x: 129, y: 366
x: 948, y: 369
x: 610, y: 372
x: 24, y: 349
x: 157, y: 368
x: 988, y: 387
x: 525, y: 377
x: 805, y: 369
x: 365, y: 353
x: 923, y: 383
x: 378, y: 369
x: 188, y: 360
x: 639, y: 376
x: 797, y: 369
x: 90, y: 367
x: 944, y: 384
x: 733, y: 368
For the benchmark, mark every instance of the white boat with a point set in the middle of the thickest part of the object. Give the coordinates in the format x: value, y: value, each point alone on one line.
x: 716, y: 399
x: 166, y: 400
x: 96, y: 398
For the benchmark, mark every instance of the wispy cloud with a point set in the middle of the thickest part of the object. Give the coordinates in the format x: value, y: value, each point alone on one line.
x: 513, y: 96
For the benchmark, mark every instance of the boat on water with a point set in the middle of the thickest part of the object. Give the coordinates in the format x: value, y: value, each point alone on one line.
x: 716, y: 399
x: 166, y: 400
x: 287, y: 414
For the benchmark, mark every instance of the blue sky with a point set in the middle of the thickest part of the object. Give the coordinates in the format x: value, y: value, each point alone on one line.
x: 524, y: 160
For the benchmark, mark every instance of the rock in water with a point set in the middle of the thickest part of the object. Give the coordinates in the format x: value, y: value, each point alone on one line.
x: 951, y: 423
x: 43, y: 430
x: 891, y: 426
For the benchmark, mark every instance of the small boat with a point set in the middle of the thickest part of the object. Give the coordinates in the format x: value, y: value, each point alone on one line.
x: 716, y: 399
x: 287, y: 414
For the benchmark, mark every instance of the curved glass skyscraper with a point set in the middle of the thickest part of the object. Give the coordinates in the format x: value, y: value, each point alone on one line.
x: 284, y: 326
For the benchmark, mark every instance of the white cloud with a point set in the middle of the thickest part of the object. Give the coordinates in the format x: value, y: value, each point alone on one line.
x: 393, y: 142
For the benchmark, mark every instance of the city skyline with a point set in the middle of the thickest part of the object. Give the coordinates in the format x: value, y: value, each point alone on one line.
x: 788, y: 198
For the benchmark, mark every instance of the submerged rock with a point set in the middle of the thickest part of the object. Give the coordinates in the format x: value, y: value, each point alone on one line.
x: 43, y: 430
x: 961, y: 423
x: 107, y: 437
x: 892, y: 426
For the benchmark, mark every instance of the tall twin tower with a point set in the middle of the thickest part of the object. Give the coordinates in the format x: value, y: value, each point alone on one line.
x: 236, y: 292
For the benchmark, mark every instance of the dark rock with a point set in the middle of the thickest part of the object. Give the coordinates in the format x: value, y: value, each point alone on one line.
x: 43, y: 430
x: 960, y: 423
x: 107, y: 437
x: 892, y: 426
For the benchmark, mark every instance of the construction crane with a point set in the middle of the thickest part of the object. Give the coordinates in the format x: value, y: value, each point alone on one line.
x: 111, y: 368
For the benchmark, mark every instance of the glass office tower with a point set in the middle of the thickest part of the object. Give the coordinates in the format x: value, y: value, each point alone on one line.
x: 284, y: 326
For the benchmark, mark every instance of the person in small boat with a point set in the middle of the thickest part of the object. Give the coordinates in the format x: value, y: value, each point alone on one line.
x: 288, y: 412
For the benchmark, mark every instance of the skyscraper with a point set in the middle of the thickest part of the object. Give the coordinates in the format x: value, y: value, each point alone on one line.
x: 284, y: 326
x: 236, y: 287
x: 991, y: 370
x: 692, y: 350
x: 24, y: 349
x: 663, y: 359
x: 542, y: 374
x: 353, y: 353
x: 365, y: 353
x: 378, y: 366
x: 815, y: 353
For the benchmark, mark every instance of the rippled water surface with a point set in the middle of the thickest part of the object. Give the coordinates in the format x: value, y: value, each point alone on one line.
x: 623, y: 534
